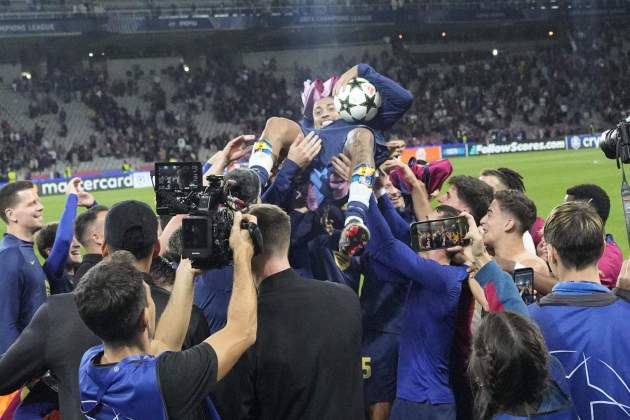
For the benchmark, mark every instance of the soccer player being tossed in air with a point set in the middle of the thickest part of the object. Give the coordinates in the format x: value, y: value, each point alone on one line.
x: 363, y: 143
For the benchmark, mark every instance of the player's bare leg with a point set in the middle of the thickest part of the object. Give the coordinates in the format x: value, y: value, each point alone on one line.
x: 360, y: 148
x: 277, y: 136
x: 379, y: 411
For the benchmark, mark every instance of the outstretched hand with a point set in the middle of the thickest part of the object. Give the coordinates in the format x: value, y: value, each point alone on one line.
x: 304, y: 149
x: 408, y: 174
x: 240, y: 240
x: 238, y: 147
x: 185, y: 271
x: 234, y: 150
x: 342, y: 165
x: 85, y: 199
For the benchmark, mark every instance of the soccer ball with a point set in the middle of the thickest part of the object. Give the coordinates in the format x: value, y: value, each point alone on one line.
x: 358, y: 101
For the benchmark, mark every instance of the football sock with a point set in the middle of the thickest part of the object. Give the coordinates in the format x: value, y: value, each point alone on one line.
x: 360, y: 192
x: 261, y: 160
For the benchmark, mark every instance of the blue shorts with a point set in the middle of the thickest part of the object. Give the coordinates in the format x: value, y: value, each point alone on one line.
x: 379, y: 362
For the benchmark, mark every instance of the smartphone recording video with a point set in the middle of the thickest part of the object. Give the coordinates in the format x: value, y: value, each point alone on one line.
x: 178, y: 176
x: 438, y: 234
x: 524, y: 280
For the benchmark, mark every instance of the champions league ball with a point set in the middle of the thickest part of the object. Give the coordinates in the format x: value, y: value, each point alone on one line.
x: 358, y: 101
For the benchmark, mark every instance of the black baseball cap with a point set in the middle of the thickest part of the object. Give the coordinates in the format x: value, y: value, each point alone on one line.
x: 130, y: 226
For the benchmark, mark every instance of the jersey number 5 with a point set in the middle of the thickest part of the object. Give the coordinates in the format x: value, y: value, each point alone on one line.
x: 366, y: 366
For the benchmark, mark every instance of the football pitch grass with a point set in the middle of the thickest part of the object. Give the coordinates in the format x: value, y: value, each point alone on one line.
x: 547, y: 176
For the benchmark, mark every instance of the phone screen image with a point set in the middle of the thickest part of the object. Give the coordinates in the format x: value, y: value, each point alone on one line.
x: 524, y: 281
x: 438, y: 234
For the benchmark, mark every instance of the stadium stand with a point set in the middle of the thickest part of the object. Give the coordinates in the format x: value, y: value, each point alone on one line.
x: 140, y: 109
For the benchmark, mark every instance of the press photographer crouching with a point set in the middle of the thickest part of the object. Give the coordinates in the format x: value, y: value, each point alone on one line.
x: 140, y: 371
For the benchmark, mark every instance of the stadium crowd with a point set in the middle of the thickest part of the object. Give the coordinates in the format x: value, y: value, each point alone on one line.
x: 496, y: 313
x: 575, y: 87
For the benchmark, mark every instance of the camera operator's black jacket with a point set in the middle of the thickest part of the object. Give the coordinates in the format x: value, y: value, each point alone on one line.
x: 56, y: 339
x: 305, y: 364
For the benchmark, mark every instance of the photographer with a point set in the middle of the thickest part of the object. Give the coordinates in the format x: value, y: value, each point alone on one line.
x: 56, y: 338
x: 437, y: 301
x: 116, y: 305
x: 306, y: 360
x: 213, y: 287
x: 579, y: 319
x: 423, y: 386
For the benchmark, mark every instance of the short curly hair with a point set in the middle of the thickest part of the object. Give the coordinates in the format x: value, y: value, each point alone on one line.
x: 476, y: 194
x: 595, y: 196
x: 518, y: 205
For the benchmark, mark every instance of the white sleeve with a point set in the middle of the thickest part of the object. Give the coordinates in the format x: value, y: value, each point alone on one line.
x: 528, y: 242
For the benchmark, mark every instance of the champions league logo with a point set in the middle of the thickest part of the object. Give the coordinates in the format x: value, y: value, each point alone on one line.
x: 576, y: 143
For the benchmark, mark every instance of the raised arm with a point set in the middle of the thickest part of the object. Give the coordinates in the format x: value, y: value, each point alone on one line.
x: 500, y: 284
x: 396, y: 100
x: 239, y: 332
x: 419, y: 195
x: 56, y: 260
x: 173, y: 325
x: 234, y: 150
x: 398, y: 225
x: 400, y: 259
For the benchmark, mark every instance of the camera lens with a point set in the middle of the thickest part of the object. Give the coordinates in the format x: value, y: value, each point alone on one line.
x: 608, y: 143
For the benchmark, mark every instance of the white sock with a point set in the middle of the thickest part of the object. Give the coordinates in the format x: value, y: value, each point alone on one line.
x: 262, y: 155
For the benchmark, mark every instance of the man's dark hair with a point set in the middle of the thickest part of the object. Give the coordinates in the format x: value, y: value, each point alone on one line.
x: 85, y: 220
x: 134, y: 245
x: 45, y: 238
x: 476, y: 194
x: 508, y: 177
x: 275, y: 228
x: 131, y: 226
x: 111, y: 297
x: 175, y: 247
x: 246, y: 185
x: 518, y: 205
x: 596, y: 197
x: 447, y: 211
x: 576, y: 231
x: 162, y: 272
x: 8, y: 196
x: 509, y: 365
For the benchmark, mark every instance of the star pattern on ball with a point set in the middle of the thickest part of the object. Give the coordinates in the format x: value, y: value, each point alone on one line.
x: 345, y: 104
x: 370, y: 103
x: 355, y: 83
